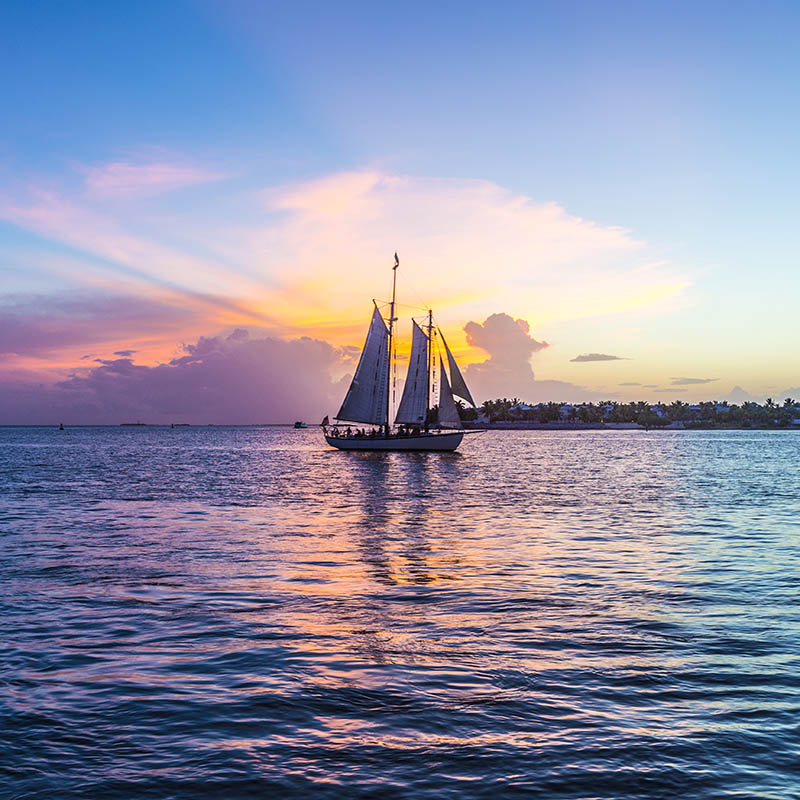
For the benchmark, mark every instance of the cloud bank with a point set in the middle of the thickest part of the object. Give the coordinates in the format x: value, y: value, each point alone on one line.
x: 237, y: 379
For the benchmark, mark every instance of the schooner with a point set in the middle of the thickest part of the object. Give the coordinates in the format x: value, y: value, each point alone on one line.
x: 368, y: 400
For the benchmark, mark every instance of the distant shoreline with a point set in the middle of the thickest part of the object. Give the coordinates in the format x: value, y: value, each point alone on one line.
x: 617, y: 426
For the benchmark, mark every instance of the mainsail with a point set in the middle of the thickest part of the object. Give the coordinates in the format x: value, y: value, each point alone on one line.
x: 365, y: 400
x: 459, y: 385
x: 414, y: 402
x: 448, y: 413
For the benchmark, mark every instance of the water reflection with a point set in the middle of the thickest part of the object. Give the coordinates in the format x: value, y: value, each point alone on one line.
x: 372, y: 489
x: 404, y: 513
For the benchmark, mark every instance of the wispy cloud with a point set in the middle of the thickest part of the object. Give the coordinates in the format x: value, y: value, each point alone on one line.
x: 140, y: 261
x: 126, y: 179
x: 630, y: 383
x: 335, y: 232
x: 597, y: 357
x: 672, y: 391
x: 691, y: 381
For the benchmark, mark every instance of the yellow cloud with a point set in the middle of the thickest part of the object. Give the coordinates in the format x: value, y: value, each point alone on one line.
x: 467, y: 248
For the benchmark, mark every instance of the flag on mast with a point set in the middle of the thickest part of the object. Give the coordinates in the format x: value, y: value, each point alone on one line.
x: 396, y: 261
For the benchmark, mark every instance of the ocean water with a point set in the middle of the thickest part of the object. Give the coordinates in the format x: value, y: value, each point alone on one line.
x: 242, y: 612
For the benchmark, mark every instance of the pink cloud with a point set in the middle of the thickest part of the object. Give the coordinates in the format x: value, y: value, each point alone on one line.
x: 42, y: 327
x: 123, y: 178
x: 137, y: 260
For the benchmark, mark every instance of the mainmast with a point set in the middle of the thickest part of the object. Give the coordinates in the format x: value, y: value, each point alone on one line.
x: 392, y: 320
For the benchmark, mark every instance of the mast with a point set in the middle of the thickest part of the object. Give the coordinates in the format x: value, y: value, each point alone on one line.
x: 430, y: 365
x: 392, y: 319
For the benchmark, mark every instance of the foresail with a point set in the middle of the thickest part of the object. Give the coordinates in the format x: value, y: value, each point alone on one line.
x: 448, y: 413
x: 458, y: 384
x: 414, y: 402
x: 365, y: 400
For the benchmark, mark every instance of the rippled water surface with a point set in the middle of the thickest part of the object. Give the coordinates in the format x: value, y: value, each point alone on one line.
x: 242, y: 612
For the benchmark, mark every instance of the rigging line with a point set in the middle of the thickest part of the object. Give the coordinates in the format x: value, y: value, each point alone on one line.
x: 386, y: 303
x: 412, y: 286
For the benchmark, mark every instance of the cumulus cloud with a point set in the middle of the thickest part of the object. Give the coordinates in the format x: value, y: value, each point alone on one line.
x: 508, y: 371
x: 691, y: 381
x: 510, y: 347
x: 596, y: 357
x: 236, y: 379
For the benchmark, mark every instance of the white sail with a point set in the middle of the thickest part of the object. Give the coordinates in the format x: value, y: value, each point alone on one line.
x: 414, y: 402
x: 365, y: 400
x: 448, y: 413
x: 458, y: 384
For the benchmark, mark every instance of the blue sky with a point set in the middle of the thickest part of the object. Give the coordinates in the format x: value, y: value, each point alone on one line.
x: 675, y: 122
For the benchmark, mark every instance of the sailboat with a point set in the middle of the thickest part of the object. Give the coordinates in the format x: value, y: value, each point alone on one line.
x: 368, y: 400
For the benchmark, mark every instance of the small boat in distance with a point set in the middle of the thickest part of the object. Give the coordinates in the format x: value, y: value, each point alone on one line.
x: 418, y: 426
x: 300, y: 424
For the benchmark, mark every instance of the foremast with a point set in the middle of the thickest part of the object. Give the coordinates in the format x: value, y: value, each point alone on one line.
x: 392, y: 320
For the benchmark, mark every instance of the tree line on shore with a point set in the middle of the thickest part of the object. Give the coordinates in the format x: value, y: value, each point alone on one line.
x: 770, y: 414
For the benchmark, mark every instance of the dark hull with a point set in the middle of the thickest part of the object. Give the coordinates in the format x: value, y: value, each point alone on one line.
x: 423, y: 441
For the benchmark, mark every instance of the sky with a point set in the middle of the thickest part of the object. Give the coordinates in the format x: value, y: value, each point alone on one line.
x: 199, y: 201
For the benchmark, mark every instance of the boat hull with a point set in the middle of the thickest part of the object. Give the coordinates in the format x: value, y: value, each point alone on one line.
x: 424, y: 441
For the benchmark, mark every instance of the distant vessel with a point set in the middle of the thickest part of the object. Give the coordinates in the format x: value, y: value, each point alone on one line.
x: 300, y: 424
x: 368, y: 400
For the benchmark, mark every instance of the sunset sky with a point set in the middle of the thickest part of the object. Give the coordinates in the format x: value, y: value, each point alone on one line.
x: 199, y: 200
